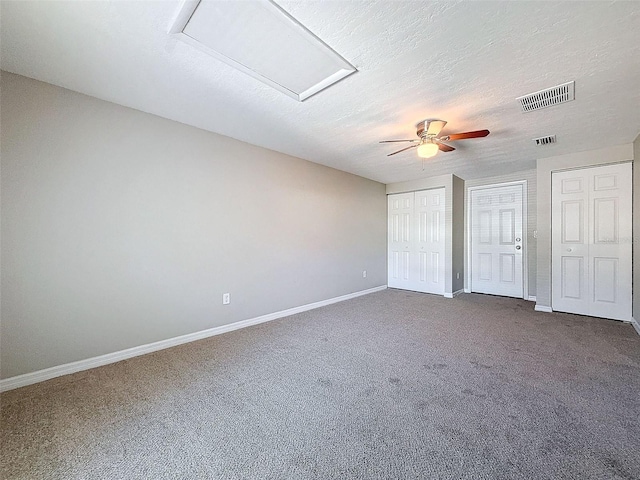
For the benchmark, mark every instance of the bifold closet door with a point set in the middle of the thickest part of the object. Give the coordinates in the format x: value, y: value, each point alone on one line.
x: 429, y: 249
x: 591, y: 241
x: 416, y: 241
x: 400, y: 240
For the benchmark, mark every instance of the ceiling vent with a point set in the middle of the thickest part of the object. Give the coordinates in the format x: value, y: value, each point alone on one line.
x: 548, y: 97
x: 545, y: 140
x: 262, y: 40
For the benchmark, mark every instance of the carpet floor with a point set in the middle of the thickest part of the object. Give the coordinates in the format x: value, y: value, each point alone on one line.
x: 391, y: 385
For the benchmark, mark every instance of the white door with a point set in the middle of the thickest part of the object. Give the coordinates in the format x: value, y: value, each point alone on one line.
x: 400, y: 239
x: 429, y: 219
x: 496, y: 240
x: 591, y: 241
x: 417, y: 241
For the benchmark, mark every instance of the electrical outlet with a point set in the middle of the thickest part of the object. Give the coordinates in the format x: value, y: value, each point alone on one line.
x: 364, y: 274
x: 458, y: 275
x: 226, y: 299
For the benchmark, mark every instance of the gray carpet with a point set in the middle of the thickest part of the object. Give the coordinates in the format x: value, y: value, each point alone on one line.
x: 390, y: 385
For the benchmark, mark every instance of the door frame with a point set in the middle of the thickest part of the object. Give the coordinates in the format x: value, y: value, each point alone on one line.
x: 525, y: 249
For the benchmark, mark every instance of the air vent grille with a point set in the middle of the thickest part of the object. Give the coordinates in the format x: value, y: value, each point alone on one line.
x: 547, y: 98
x: 545, y: 140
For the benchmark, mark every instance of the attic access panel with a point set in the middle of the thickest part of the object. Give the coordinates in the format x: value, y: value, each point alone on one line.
x: 260, y: 39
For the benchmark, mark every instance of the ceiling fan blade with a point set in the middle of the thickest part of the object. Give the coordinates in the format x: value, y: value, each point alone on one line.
x: 396, y: 141
x: 412, y: 146
x: 462, y: 136
x: 444, y: 147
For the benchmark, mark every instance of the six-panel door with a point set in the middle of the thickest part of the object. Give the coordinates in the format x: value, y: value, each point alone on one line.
x: 591, y: 241
x: 496, y: 241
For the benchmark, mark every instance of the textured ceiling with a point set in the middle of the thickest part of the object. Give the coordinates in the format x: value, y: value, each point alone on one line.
x: 464, y: 62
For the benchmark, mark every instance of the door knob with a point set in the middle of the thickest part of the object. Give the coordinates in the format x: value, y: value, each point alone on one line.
x: 569, y: 249
x: 518, y: 247
x: 517, y: 239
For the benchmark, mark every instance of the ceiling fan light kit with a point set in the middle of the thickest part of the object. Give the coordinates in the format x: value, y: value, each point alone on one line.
x: 429, y: 143
x: 427, y: 150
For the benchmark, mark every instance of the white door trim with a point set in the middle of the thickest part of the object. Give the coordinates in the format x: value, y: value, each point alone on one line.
x: 525, y: 218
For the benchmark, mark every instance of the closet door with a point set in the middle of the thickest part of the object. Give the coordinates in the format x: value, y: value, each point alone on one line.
x: 400, y: 240
x: 429, y: 219
x: 591, y: 241
x: 416, y: 241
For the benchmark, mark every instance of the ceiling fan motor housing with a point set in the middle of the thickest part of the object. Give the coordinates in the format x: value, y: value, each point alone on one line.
x: 430, y: 127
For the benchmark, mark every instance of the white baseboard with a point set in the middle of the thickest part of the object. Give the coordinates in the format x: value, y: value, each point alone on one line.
x: 531, y: 298
x: 542, y: 308
x: 636, y: 325
x: 467, y: 290
x: 454, y: 294
x: 73, y: 367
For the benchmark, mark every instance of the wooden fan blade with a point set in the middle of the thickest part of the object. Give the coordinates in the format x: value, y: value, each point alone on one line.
x: 412, y: 146
x: 396, y: 141
x: 444, y: 147
x: 462, y: 136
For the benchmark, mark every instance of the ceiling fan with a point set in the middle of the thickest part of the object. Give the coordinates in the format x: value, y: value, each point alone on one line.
x: 428, y: 144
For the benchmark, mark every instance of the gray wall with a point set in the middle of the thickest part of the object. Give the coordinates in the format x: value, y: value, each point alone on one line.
x: 530, y: 177
x: 636, y: 229
x: 545, y: 167
x: 120, y: 228
x: 454, y: 217
x: 458, y: 235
